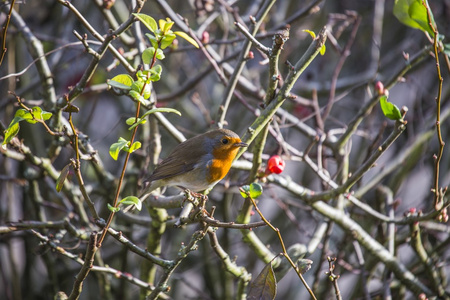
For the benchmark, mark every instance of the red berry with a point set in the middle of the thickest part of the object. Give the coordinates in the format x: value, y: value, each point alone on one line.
x: 275, y: 164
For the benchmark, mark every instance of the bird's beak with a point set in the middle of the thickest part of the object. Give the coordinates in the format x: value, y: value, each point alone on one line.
x: 241, y: 144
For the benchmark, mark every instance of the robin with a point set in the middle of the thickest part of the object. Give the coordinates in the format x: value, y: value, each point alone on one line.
x: 198, y: 163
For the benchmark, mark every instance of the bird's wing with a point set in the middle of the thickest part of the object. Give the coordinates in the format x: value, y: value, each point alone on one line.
x: 177, y: 163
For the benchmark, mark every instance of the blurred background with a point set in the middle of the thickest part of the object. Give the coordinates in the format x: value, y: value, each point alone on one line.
x: 366, y: 43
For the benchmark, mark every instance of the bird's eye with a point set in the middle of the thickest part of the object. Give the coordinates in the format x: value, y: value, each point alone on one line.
x: 224, y: 141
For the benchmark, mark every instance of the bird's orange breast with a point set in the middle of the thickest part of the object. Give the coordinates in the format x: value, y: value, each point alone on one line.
x: 221, y: 164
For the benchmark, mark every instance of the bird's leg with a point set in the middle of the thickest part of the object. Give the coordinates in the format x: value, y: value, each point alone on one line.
x: 198, y: 200
x: 203, y: 199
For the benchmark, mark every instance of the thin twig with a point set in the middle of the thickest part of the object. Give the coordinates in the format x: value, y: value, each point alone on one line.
x: 87, y: 266
x: 438, y: 191
x: 241, y: 62
x: 282, y: 245
x: 5, y: 30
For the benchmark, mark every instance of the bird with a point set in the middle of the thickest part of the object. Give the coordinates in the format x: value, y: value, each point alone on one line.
x: 196, y: 164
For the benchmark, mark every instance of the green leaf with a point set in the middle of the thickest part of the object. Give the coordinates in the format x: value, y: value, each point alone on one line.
x: 62, y: 177
x: 23, y: 113
x: 167, y: 40
x: 46, y: 115
x: 264, y: 286
x: 132, y: 200
x: 152, y: 40
x: 112, y: 208
x: 161, y: 109
x: 137, y: 86
x: 255, y: 190
x: 116, y: 147
x: 147, y: 91
x: 162, y: 23
x: 155, y: 73
x: 148, y: 21
x: 139, y: 122
x: 168, y: 25
x: 147, y: 55
x: 134, y: 147
x: 244, y: 190
x: 414, y: 14
x: 122, y: 81
x: 160, y: 54
x: 37, y: 115
x: 390, y: 110
x: 131, y: 121
x: 135, y: 95
x: 27, y: 116
x: 323, y: 49
x: 187, y: 38
x: 12, y: 130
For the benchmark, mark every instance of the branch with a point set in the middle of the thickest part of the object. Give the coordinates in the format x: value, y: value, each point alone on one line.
x: 5, y: 30
x: 241, y: 62
x: 36, y: 50
x: 283, y: 94
x: 87, y: 266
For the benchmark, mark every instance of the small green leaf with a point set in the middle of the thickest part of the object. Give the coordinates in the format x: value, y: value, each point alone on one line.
x: 37, y: 115
x: 168, y: 25
x: 152, y: 40
x: 135, y: 95
x: 155, y: 73
x: 311, y: 33
x: 244, y: 190
x: 30, y: 117
x: 390, y: 110
x: 132, y: 200
x: 142, y: 75
x: 23, y: 113
x: 414, y: 14
x: 167, y: 40
x: 161, y: 109
x: 162, y: 23
x: 62, y: 177
x: 323, y: 49
x: 137, y: 86
x: 112, y: 208
x: 160, y: 54
x: 255, y: 190
x: 147, y: 55
x: 148, y: 21
x: 12, y: 130
x: 147, y: 91
x: 133, y: 124
x: 264, y: 286
x: 46, y: 115
x: 187, y: 38
x: 116, y: 147
x: 122, y: 81
x: 134, y: 147
x: 130, y: 121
